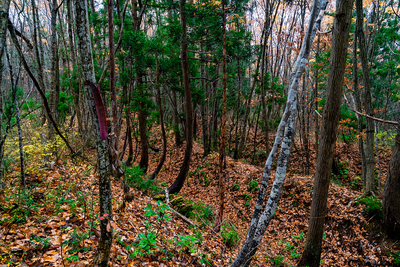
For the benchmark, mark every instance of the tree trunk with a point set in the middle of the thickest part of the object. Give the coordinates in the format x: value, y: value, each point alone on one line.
x: 341, y: 27
x: 222, y: 145
x: 391, y: 196
x: 4, y: 8
x: 129, y: 159
x: 357, y: 102
x: 264, y: 67
x: 204, y: 111
x: 117, y: 171
x: 75, y: 93
x: 180, y: 180
x: 369, y: 144
x: 283, y: 140
x: 103, y: 161
x: 144, y: 160
x: 39, y: 63
x: 164, y: 136
x: 16, y: 108
x: 55, y: 67
x: 316, y: 117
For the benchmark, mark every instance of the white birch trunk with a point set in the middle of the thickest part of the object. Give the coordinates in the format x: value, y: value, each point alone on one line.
x: 103, y: 161
x: 283, y: 141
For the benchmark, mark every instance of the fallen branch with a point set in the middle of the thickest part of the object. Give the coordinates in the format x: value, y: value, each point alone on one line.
x: 177, y: 213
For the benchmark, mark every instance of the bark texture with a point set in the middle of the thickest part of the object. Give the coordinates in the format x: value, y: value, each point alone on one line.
x: 369, y: 142
x: 85, y: 50
x: 391, y: 196
x: 283, y: 141
x: 180, y: 180
x: 4, y: 8
x: 222, y: 146
x: 329, y: 129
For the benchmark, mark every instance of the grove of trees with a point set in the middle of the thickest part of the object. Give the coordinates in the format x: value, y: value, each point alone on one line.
x: 133, y: 90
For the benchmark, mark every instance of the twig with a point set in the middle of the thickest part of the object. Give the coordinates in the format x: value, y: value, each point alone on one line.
x: 318, y: 113
x: 367, y: 116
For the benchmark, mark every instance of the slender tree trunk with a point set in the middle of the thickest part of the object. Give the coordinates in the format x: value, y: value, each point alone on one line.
x: 180, y: 180
x: 55, y: 67
x: 128, y: 162
x: 38, y: 62
x: 316, y: 117
x: 175, y: 119
x: 222, y: 145
x: 75, y: 93
x: 391, y: 196
x: 340, y: 41
x: 369, y: 144
x: 85, y: 49
x: 204, y: 111
x: 264, y: 67
x: 4, y: 8
x: 164, y: 136
x: 357, y: 102
x: 144, y: 160
x: 255, y: 137
x: 16, y: 108
x: 243, y: 136
x: 237, y: 111
x: 117, y: 171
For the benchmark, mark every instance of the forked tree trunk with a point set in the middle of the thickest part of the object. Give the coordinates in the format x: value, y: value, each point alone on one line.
x: 103, y: 161
x: 180, y: 180
x: 391, y: 196
x: 283, y: 141
x: 340, y: 41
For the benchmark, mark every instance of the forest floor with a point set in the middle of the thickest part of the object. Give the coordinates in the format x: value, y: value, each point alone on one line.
x: 54, y: 220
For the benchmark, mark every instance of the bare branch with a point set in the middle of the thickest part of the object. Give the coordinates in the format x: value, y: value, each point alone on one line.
x: 367, y: 116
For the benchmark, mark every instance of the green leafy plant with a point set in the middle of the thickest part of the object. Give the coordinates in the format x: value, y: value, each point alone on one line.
x: 253, y: 185
x: 229, y: 235
x: 396, y: 258
x: 299, y: 236
x: 39, y: 243
x: 76, y: 242
x: 372, y: 206
x: 187, y: 243
x: 136, y: 178
x: 276, y: 261
x: 247, y: 199
x: 236, y: 187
